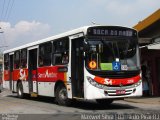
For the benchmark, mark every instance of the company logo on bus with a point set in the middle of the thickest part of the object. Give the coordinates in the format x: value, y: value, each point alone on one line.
x: 47, y: 74
x: 115, y: 31
x: 107, y: 81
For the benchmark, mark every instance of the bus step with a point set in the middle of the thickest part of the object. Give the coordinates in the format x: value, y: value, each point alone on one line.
x: 78, y: 98
x: 34, y: 94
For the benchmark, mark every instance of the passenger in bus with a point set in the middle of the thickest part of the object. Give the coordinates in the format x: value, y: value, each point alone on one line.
x: 40, y: 61
x: 16, y: 66
x: 23, y: 64
x: 65, y: 58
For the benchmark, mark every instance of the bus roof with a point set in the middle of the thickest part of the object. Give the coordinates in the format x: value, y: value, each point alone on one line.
x: 65, y: 34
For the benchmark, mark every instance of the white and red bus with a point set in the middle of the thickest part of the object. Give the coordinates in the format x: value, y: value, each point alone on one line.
x: 94, y: 62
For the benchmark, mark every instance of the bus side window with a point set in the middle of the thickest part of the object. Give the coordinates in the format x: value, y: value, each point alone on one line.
x: 17, y: 60
x: 45, y: 51
x: 60, y: 51
x: 24, y: 58
x: 57, y: 58
x: 6, y: 61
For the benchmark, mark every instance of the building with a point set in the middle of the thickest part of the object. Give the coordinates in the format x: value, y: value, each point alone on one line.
x: 0, y: 72
x: 149, y: 33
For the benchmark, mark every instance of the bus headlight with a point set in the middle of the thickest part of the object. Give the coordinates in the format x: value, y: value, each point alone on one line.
x: 138, y: 83
x: 94, y: 83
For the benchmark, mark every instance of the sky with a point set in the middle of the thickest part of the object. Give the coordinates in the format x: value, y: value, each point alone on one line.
x: 24, y: 21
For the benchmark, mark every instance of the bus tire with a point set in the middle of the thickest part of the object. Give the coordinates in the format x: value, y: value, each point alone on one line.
x: 104, y: 101
x: 61, y: 96
x: 20, y: 93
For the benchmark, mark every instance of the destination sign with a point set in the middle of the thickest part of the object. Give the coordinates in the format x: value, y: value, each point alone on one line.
x: 111, y: 31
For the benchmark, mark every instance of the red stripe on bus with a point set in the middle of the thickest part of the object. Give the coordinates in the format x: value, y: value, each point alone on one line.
x: 123, y: 81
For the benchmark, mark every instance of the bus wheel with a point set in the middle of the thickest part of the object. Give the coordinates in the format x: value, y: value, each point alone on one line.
x: 104, y: 101
x: 61, y: 96
x: 20, y: 93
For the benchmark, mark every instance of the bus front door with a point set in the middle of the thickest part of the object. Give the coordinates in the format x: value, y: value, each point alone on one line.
x: 77, y: 70
x: 32, y: 72
x: 11, y: 72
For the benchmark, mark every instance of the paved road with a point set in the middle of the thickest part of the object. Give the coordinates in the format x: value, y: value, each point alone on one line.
x: 46, y: 108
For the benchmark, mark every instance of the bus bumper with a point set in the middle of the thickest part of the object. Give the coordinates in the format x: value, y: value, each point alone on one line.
x: 95, y: 91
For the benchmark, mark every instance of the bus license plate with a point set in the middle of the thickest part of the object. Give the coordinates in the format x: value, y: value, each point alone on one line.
x: 119, y: 92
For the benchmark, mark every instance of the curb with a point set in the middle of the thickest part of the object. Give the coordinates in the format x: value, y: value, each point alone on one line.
x: 149, y: 101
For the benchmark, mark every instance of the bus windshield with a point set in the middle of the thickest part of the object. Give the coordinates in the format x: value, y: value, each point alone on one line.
x: 112, y: 54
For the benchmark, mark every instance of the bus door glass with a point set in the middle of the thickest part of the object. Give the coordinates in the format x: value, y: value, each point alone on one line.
x: 77, y: 67
x: 32, y: 70
x: 11, y: 71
